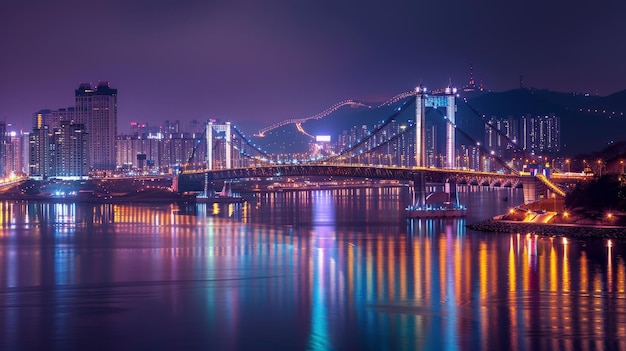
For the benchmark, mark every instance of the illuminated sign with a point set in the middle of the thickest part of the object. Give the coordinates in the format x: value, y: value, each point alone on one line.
x: 322, y: 138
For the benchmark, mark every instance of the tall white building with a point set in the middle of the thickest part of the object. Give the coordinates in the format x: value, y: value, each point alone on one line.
x: 499, y: 142
x: 58, y: 152
x: 96, y: 108
x: 536, y: 134
x: 541, y: 133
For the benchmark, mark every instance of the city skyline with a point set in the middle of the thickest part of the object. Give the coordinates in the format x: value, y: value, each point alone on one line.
x: 268, y: 62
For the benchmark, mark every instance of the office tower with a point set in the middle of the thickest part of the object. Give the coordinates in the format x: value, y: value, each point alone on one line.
x: 96, y: 108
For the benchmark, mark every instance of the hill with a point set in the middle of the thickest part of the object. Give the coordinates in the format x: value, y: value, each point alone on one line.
x: 588, y: 122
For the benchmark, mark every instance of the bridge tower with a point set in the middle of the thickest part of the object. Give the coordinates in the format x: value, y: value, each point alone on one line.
x: 439, y: 99
x: 420, y: 127
x: 219, y: 145
x: 449, y: 94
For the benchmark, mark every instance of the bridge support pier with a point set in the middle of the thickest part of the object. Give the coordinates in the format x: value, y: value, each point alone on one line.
x: 534, y: 189
x: 227, y: 190
x: 419, y: 190
x: 450, y: 189
x: 209, y: 190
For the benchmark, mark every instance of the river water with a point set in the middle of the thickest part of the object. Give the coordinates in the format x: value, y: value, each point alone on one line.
x: 300, y: 270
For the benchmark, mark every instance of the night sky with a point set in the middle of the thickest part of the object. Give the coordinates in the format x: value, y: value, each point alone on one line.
x: 271, y: 60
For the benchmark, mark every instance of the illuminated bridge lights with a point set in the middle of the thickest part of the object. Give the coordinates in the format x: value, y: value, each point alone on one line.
x: 369, y: 148
x: 320, y: 115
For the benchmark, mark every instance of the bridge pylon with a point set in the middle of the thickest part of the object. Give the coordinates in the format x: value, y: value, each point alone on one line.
x: 420, y: 127
x: 449, y: 94
x: 219, y: 157
x: 443, y: 98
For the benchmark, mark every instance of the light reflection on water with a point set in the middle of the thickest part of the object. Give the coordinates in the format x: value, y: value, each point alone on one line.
x: 315, y: 270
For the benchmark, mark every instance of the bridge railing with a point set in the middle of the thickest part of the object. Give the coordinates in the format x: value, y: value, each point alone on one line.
x: 555, y: 188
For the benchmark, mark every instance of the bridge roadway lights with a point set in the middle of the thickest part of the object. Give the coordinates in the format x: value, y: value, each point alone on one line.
x: 195, y: 182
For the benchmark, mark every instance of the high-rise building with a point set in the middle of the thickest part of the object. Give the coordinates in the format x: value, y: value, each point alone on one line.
x: 3, y: 148
x: 25, y: 152
x: 53, y: 118
x: 160, y: 152
x: 39, y: 153
x: 535, y: 134
x: 540, y: 134
x: 70, y: 151
x: 14, y: 155
x: 130, y: 146
x: 501, y: 134
x: 96, y: 108
x: 58, y: 152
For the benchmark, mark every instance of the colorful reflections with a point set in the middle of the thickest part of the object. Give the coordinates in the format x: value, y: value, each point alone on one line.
x: 301, y: 270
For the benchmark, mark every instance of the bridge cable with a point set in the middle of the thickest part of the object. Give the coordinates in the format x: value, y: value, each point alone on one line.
x: 499, y: 132
x: 389, y: 119
x: 481, y: 147
x: 249, y: 143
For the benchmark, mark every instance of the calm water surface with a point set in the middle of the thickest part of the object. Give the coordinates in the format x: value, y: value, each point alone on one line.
x: 305, y: 270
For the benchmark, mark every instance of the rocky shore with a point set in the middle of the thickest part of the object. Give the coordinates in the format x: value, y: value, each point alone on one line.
x: 502, y: 226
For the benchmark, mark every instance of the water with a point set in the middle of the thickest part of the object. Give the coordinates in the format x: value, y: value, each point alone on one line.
x: 305, y: 270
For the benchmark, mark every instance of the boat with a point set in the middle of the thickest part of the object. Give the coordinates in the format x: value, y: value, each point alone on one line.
x: 219, y: 199
x: 436, y: 212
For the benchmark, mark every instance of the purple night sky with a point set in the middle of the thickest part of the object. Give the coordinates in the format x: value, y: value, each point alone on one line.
x: 276, y: 59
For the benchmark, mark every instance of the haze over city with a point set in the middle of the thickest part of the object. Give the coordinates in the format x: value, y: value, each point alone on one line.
x: 268, y: 61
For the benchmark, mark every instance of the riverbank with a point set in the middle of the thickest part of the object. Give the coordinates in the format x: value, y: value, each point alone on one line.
x: 95, y: 191
x: 569, y: 230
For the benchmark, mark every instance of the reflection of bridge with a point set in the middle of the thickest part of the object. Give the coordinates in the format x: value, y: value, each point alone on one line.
x: 394, y: 149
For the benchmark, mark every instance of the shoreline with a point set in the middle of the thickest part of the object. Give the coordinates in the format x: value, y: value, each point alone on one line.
x: 97, y: 200
x: 559, y: 230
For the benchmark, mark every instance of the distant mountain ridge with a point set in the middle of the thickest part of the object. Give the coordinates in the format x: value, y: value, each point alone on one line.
x: 588, y: 122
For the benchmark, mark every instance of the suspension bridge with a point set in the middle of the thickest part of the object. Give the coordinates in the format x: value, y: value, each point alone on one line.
x: 393, y: 149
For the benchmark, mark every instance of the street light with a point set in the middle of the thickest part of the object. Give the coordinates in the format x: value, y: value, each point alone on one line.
x: 567, y: 162
x: 600, y: 168
x: 621, y: 163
